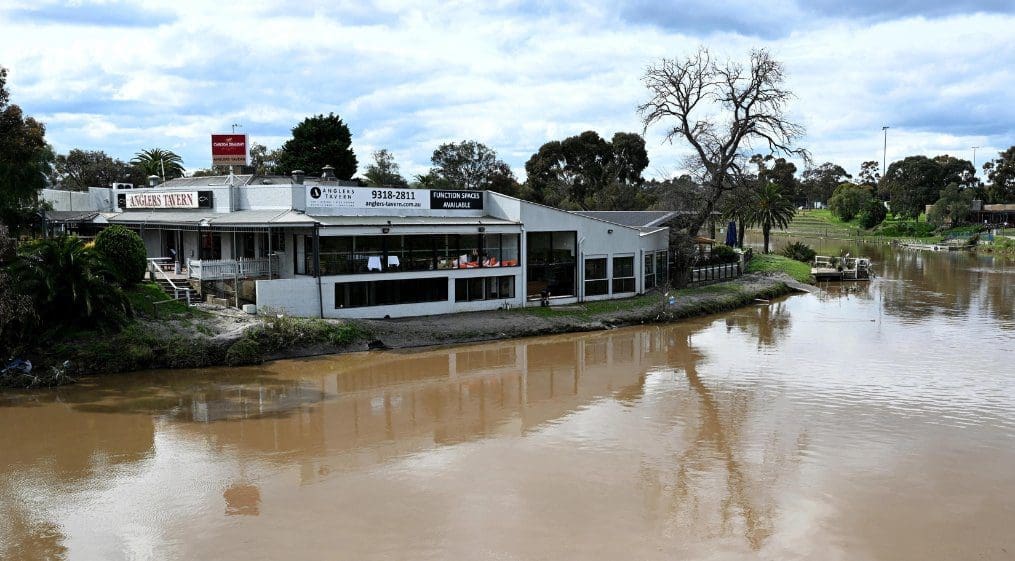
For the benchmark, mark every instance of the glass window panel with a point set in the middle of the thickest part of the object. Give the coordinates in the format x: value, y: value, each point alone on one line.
x: 509, y: 250
x: 595, y: 269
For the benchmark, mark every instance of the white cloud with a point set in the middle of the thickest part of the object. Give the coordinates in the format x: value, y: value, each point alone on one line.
x: 513, y: 75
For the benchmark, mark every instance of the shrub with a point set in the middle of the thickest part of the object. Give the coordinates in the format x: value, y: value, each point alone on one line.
x: 123, y: 252
x: 724, y: 254
x: 799, y: 251
x: 873, y: 213
x: 906, y: 228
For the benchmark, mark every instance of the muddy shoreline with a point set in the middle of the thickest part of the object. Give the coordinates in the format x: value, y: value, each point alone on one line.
x: 218, y: 331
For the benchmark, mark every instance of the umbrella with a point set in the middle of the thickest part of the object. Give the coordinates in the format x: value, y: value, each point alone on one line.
x: 731, y: 234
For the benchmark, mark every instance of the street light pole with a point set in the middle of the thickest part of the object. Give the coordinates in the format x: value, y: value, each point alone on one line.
x: 884, y: 156
x: 974, y: 158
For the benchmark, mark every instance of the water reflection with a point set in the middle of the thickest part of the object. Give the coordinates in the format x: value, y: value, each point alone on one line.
x: 780, y: 430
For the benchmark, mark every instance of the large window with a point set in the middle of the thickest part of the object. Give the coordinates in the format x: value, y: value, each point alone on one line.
x: 390, y: 292
x: 551, y: 263
x: 661, y: 268
x: 623, y: 274
x: 484, y: 288
x: 344, y: 255
x: 649, y: 271
x: 596, y: 280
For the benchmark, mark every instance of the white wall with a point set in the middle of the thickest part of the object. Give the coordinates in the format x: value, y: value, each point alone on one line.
x: 69, y: 200
x: 264, y: 197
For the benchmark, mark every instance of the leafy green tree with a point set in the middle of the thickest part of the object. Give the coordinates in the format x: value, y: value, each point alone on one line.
x: 587, y: 172
x: 69, y: 284
x: 468, y: 165
x: 820, y: 182
x: 158, y: 161
x: 318, y: 141
x: 873, y: 213
x: 384, y: 171
x: 124, y: 254
x: 870, y: 173
x: 80, y: 169
x: 916, y: 181
x: 783, y: 174
x: 848, y: 200
x: 264, y: 161
x: 770, y: 208
x: 25, y: 161
x: 1001, y: 174
x: 719, y: 109
x: 953, y: 207
x: 17, y: 314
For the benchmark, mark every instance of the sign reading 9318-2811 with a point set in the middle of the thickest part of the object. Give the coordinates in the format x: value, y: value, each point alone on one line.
x: 386, y: 198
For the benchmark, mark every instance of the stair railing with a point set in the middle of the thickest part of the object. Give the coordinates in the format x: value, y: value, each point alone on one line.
x: 157, y: 267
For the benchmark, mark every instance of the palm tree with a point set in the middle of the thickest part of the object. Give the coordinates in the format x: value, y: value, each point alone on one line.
x: 770, y: 207
x: 70, y: 284
x: 156, y: 161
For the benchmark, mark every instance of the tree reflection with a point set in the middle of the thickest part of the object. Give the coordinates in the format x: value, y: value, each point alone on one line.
x: 717, y: 438
x: 767, y: 322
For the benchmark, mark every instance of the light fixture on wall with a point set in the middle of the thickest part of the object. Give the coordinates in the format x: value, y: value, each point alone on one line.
x: 482, y: 229
x: 610, y: 231
x: 385, y: 230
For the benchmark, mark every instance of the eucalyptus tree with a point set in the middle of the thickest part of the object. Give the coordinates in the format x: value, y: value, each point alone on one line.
x: 722, y: 110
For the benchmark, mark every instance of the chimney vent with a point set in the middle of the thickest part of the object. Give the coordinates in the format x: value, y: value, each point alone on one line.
x: 329, y: 173
x: 298, y: 176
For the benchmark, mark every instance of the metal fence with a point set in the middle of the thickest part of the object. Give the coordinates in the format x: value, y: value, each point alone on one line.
x: 714, y: 273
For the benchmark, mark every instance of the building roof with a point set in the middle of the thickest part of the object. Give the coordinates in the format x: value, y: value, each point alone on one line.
x: 631, y: 218
x: 71, y: 215
x: 161, y: 217
x: 206, y: 181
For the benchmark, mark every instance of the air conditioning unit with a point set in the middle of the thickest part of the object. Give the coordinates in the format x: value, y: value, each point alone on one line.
x: 123, y: 185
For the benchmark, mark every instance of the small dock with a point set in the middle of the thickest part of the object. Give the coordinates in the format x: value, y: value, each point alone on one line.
x: 841, y: 268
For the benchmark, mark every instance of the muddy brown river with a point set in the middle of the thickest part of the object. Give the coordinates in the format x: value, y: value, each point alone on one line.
x: 870, y: 421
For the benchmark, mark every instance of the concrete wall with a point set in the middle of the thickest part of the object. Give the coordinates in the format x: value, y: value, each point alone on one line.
x: 264, y: 197
x: 70, y: 200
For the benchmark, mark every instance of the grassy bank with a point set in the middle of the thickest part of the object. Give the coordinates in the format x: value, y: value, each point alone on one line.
x: 772, y: 263
x: 168, y: 334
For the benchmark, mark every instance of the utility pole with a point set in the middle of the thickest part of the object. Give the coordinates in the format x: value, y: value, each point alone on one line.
x: 884, y: 156
x: 974, y: 158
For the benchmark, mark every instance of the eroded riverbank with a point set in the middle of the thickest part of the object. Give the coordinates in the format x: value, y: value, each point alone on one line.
x: 220, y: 337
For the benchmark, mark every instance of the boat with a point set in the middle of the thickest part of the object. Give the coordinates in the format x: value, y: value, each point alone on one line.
x: 841, y: 268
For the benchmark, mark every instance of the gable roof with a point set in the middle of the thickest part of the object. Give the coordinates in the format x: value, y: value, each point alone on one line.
x: 631, y: 218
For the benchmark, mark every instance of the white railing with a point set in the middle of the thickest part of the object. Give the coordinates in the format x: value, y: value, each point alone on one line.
x: 158, y: 266
x: 222, y: 269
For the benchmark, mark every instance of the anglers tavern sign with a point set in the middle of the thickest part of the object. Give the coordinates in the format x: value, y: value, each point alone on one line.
x: 185, y: 199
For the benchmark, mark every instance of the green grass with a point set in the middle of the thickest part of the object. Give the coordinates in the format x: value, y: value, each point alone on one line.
x: 143, y: 298
x: 276, y: 334
x: 772, y: 263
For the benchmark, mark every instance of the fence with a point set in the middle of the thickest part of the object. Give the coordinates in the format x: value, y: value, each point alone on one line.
x: 714, y: 273
x: 221, y: 269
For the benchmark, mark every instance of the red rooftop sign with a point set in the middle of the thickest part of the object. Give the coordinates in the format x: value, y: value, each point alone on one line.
x: 229, y: 150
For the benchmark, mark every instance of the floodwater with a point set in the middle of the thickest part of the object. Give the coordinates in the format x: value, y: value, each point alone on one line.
x: 872, y: 421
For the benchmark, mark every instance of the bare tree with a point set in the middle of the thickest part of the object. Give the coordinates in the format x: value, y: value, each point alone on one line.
x: 724, y: 111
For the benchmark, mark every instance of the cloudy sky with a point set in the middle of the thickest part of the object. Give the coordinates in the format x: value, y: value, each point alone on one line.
x: 124, y: 76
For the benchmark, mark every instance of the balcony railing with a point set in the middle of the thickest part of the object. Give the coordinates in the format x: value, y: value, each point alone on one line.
x: 221, y: 269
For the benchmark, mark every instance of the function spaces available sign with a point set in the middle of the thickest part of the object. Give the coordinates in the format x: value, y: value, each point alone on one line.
x: 384, y: 198
x: 229, y: 150
x: 456, y: 200
x: 183, y: 199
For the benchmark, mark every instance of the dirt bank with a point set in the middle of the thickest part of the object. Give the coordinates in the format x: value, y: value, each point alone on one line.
x: 212, y: 336
x: 526, y: 322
